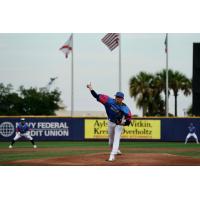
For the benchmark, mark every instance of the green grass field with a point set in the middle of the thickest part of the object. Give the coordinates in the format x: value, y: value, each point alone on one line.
x: 52, y: 144
x: 191, y: 149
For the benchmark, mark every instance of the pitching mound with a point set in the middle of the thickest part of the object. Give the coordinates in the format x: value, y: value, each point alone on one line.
x: 100, y: 159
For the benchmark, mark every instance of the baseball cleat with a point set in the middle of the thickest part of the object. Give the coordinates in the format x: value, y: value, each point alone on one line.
x: 34, y: 146
x: 10, y: 147
x: 111, y: 158
x: 119, y: 152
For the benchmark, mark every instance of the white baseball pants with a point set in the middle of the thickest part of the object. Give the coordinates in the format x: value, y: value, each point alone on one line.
x: 191, y: 135
x: 114, y: 132
x: 26, y: 135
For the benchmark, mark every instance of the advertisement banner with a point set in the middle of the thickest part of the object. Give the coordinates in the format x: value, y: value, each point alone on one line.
x: 79, y: 129
x: 138, y: 129
x: 45, y: 128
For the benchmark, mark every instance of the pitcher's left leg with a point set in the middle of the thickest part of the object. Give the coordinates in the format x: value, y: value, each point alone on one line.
x: 118, y: 131
x: 111, y: 132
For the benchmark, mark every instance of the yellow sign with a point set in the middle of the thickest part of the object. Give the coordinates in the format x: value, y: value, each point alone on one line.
x: 138, y: 129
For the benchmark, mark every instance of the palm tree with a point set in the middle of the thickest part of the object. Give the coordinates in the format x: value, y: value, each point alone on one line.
x: 142, y: 88
x: 156, y: 105
x: 177, y: 82
x: 160, y: 80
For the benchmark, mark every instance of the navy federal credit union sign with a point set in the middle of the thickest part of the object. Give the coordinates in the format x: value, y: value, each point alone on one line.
x: 45, y: 128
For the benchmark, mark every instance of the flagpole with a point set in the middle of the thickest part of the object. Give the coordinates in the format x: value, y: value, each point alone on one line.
x: 72, y: 78
x: 120, y: 70
x: 167, y: 81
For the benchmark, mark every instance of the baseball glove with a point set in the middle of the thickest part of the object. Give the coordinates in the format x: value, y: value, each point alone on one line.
x: 118, y: 121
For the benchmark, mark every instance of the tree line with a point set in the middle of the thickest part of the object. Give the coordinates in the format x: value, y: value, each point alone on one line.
x: 146, y: 88
x: 32, y: 101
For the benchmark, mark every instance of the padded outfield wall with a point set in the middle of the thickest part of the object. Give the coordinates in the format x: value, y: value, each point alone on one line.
x: 80, y: 129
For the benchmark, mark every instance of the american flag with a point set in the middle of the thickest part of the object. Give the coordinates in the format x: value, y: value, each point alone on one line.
x: 111, y: 40
x: 67, y: 47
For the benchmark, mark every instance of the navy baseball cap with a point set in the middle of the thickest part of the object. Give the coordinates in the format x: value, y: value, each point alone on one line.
x: 119, y: 94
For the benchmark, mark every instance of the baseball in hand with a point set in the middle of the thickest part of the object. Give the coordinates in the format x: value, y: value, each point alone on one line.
x: 89, y: 86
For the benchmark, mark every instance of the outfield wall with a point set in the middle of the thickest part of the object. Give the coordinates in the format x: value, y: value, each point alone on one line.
x: 79, y: 129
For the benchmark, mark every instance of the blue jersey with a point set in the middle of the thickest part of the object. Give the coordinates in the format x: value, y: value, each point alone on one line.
x: 192, y: 129
x: 114, y: 111
x: 22, y: 128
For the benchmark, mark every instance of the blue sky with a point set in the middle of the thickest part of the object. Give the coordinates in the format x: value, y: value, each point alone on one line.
x: 31, y: 59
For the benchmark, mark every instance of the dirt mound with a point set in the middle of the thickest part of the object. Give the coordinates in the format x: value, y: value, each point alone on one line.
x: 99, y: 159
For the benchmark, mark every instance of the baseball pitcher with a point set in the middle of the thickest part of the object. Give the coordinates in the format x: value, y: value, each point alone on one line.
x: 22, y: 130
x: 119, y: 115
